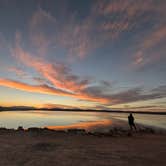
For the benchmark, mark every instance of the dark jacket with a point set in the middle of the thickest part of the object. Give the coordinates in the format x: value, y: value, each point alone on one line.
x: 131, y: 119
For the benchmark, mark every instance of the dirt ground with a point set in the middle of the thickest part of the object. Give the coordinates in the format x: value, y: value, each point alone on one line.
x: 62, y: 149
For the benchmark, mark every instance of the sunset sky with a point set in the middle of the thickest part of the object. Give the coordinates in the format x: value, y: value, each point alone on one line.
x: 95, y: 54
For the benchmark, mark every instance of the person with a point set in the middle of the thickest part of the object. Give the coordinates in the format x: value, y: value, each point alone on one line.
x: 131, y: 122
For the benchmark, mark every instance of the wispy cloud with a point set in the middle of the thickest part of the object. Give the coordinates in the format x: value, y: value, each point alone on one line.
x: 43, y: 23
x: 18, y: 71
x: 152, y: 48
x: 51, y: 105
x: 57, y: 73
x: 105, y: 21
x: 128, y: 96
x: 45, y: 89
x: 138, y: 94
x: 67, y: 84
x: 32, y: 88
x: 42, y: 27
x: 95, y: 94
x: 40, y: 80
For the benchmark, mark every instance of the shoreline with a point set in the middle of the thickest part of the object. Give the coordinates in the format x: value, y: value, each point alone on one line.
x: 2, y: 109
x: 114, y: 131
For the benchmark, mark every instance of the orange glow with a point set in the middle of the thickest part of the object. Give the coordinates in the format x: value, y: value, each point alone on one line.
x: 31, y: 88
x: 57, y: 74
x: 83, y: 125
x: 48, y: 90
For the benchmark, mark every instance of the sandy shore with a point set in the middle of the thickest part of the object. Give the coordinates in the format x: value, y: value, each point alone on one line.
x: 20, y: 148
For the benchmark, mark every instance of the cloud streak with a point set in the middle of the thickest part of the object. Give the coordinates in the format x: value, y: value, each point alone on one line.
x: 32, y: 88
x: 42, y: 26
x: 45, y: 89
x: 128, y: 96
x: 58, y: 74
x: 18, y: 71
x: 147, y: 53
x: 94, y: 94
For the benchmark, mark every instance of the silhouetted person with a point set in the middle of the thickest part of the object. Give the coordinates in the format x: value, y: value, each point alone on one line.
x: 131, y: 122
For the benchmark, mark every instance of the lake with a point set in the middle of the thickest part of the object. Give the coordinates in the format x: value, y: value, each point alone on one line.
x: 88, y: 120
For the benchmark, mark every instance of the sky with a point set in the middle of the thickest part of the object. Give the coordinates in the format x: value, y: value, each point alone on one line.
x: 89, y: 54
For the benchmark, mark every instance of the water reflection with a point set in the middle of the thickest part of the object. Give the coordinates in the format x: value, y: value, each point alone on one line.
x: 64, y: 120
x: 89, y: 126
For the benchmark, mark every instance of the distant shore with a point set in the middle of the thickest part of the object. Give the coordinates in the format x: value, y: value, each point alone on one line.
x: 24, y: 108
x: 45, y: 147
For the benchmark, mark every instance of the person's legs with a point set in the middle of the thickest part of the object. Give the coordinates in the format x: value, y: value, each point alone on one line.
x: 134, y: 127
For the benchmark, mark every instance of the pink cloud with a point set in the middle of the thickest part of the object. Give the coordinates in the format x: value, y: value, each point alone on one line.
x: 145, y: 56
x: 129, y: 8
x: 157, y: 36
x: 17, y: 71
x: 39, y: 37
x: 57, y: 74
x: 80, y: 38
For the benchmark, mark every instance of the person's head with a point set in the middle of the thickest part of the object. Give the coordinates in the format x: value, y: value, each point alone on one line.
x: 130, y: 114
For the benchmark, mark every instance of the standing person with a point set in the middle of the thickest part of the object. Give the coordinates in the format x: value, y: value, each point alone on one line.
x: 131, y: 122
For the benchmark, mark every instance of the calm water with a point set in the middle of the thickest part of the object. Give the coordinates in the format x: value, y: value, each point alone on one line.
x: 64, y: 120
